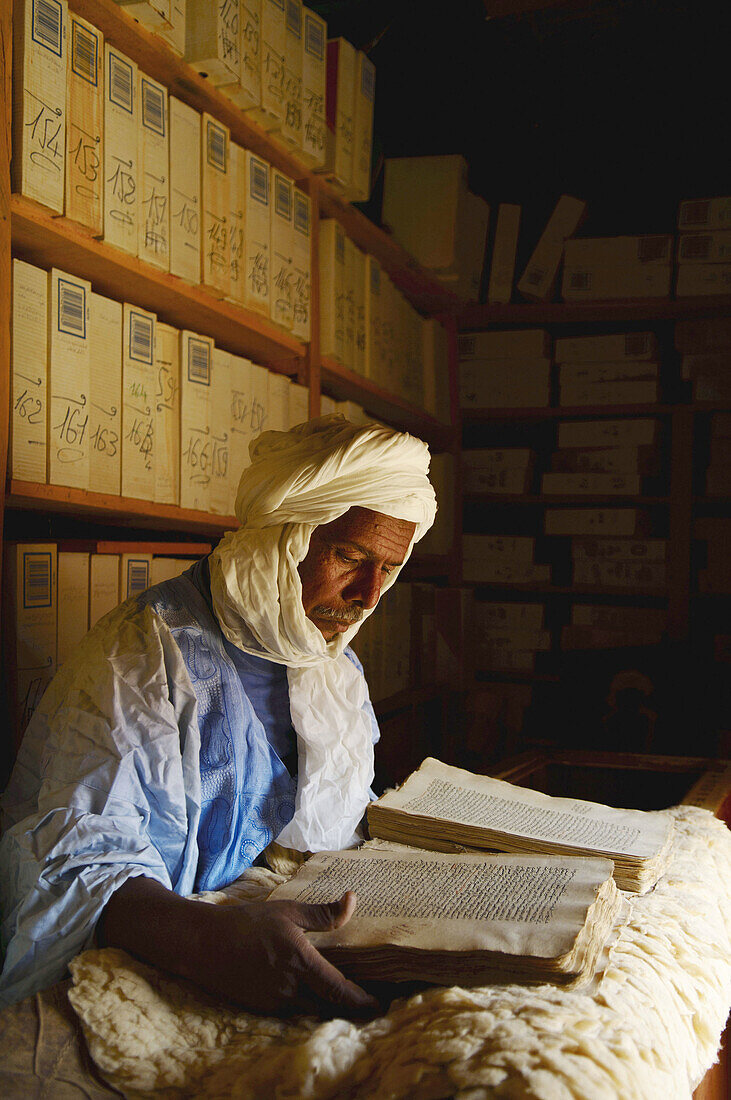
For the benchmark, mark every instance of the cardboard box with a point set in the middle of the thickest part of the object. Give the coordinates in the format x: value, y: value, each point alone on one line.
x: 105, y: 396
x: 290, y: 130
x: 713, y: 247
x: 539, y: 277
x: 339, y: 107
x: 592, y: 484
x: 527, y: 343
x: 314, y: 72
x: 502, y: 266
x: 505, y: 548
x: 173, y: 32
x: 612, y: 433
x: 212, y: 40
x: 699, y: 279
x: 364, y: 98
x: 167, y: 414
x: 139, y: 385
x: 121, y: 150
x: 598, y: 283
x: 153, y: 244
x: 301, y: 261
x: 282, y: 250
x: 39, y: 101
x: 185, y: 191
x: 508, y: 616
x: 609, y: 393
x: 616, y: 522
x: 103, y: 585
x: 625, y: 370
x: 73, y: 602
x: 219, y: 493
x: 270, y: 112
x: 609, y: 347
x: 257, y: 237
x: 618, y: 252
x: 84, y: 187
x: 237, y: 223
x: 28, y: 451
x: 69, y: 351
x: 607, y: 549
x: 31, y: 590
x: 215, y: 205
x: 196, y: 365
x: 520, y: 383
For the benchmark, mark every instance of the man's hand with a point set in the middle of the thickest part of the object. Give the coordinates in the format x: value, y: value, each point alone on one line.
x: 253, y: 953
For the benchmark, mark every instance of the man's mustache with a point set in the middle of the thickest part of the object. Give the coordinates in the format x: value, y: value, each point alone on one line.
x: 351, y: 614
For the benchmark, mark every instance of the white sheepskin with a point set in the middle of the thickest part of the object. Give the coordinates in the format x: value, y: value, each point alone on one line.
x: 650, y: 1031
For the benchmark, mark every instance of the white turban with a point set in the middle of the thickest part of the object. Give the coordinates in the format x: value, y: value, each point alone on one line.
x: 298, y: 480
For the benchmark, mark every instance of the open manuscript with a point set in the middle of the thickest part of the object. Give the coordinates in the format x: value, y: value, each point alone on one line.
x: 463, y: 919
x: 440, y: 806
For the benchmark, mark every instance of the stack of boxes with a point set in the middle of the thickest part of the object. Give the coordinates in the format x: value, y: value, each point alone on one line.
x: 633, y: 565
x: 704, y: 247
x: 602, y: 457
x: 503, y: 471
x: 617, y: 369
x: 507, y: 636
x: 56, y: 593
x: 108, y: 399
x: 503, y: 560
x: 505, y: 369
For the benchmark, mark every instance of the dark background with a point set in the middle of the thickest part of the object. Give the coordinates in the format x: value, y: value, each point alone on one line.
x: 623, y: 103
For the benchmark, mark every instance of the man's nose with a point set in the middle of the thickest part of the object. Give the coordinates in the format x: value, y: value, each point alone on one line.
x: 365, y: 588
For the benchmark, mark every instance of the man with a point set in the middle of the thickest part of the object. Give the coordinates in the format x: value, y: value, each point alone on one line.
x: 163, y: 757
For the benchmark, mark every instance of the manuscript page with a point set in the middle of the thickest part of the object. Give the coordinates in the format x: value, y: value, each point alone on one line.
x: 516, y: 905
x: 438, y: 790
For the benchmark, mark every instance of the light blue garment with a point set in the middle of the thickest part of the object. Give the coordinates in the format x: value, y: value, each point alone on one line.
x: 157, y: 750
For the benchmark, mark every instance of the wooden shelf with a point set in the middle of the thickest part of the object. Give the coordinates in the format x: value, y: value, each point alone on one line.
x: 48, y: 241
x: 545, y: 412
x: 472, y: 317
x: 155, y: 57
x: 345, y: 384
x: 124, y: 511
x: 570, y: 590
x: 564, y: 498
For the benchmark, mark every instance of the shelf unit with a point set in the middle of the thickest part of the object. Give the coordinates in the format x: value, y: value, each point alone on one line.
x: 679, y: 503
x: 31, y: 232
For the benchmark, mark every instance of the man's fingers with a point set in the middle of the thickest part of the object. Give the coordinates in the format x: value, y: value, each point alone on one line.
x: 321, y: 918
x: 329, y: 985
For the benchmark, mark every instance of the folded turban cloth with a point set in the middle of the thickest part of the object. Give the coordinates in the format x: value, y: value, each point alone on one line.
x: 298, y: 480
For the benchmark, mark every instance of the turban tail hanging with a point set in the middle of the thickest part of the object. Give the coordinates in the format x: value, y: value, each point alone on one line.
x: 298, y: 480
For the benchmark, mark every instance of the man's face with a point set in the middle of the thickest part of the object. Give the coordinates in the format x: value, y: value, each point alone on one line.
x: 346, y: 564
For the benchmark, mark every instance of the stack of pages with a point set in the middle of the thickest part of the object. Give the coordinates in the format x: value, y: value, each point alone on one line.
x: 439, y: 807
x: 466, y: 919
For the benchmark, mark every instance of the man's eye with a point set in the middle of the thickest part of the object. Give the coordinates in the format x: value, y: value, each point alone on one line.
x: 345, y: 557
